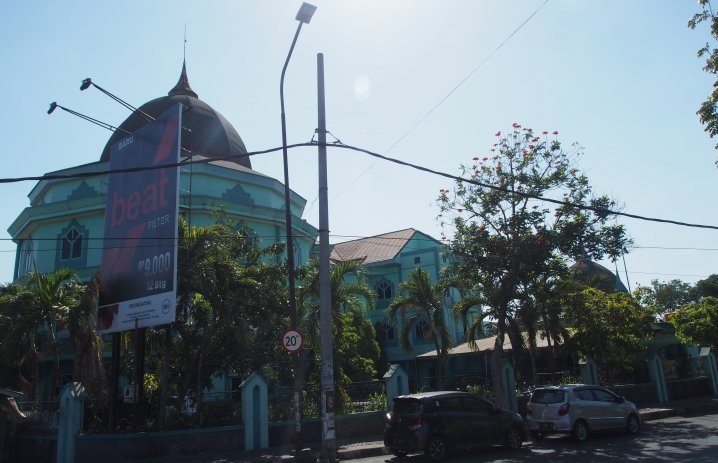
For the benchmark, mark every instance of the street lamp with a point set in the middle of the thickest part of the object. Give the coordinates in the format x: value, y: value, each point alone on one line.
x: 304, y: 15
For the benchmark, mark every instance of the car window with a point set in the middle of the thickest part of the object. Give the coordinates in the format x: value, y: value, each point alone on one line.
x: 472, y: 405
x: 406, y: 407
x: 548, y: 396
x: 603, y: 395
x: 583, y: 394
x: 451, y: 404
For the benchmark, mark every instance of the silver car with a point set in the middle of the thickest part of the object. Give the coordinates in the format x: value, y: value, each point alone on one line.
x: 578, y: 409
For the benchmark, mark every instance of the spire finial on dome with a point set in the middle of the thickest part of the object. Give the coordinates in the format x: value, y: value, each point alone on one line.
x: 182, y: 87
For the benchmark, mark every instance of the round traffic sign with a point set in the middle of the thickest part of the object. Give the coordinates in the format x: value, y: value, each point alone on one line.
x: 292, y: 340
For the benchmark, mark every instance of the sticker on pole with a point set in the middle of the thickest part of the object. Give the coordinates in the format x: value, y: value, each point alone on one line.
x: 292, y: 340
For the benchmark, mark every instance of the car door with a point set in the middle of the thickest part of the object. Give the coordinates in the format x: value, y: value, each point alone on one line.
x: 585, y: 405
x: 453, y: 422
x: 482, y: 419
x: 612, y: 411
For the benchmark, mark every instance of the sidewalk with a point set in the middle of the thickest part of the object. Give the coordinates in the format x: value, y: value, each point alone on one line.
x: 374, y: 446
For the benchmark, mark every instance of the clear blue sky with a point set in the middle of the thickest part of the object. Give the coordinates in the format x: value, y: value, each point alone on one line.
x: 620, y: 77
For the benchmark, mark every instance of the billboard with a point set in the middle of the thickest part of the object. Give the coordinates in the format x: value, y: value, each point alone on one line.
x: 138, y: 281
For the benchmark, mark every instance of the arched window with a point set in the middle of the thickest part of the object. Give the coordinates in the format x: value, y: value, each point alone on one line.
x: 72, y: 246
x: 421, y: 330
x: 384, y: 290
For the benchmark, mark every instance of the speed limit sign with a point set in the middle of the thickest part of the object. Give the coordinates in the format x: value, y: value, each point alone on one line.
x: 292, y: 340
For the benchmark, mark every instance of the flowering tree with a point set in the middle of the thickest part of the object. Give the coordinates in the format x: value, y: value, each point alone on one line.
x: 518, y: 214
x: 708, y: 112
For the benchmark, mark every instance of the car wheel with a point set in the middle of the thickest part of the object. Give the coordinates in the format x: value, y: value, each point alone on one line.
x: 538, y: 435
x: 436, y: 448
x: 580, y: 431
x: 633, y: 425
x: 514, y: 440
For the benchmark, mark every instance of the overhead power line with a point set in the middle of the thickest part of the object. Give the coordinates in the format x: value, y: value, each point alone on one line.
x: 371, y: 153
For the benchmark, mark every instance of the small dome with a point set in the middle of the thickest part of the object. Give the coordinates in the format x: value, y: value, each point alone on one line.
x: 209, y: 135
x: 597, y: 275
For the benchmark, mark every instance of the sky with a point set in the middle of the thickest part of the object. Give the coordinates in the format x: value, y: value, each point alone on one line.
x: 421, y: 81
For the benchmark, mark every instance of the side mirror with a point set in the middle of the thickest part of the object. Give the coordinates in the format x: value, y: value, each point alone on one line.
x: 620, y: 399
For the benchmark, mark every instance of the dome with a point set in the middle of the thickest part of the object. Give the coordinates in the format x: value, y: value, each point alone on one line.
x: 209, y: 135
x: 597, y: 275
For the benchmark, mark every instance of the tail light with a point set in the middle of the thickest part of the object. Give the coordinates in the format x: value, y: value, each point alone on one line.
x: 564, y: 409
x: 529, y: 409
x: 416, y: 424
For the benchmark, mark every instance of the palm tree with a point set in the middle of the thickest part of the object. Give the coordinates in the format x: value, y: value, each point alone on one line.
x: 38, y: 304
x: 351, y: 297
x: 421, y: 302
x: 350, y: 291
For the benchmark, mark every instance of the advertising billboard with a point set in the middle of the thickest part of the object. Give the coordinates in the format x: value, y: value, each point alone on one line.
x: 138, y: 280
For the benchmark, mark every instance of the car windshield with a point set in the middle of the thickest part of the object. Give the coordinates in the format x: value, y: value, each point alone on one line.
x: 406, y: 407
x: 548, y: 396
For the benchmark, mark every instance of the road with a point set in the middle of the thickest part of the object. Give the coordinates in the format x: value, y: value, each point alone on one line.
x: 693, y: 439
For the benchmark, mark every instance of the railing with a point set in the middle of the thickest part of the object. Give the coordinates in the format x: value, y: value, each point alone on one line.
x: 42, y: 417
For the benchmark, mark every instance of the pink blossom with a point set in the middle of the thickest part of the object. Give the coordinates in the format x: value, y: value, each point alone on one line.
x: 555, y: 132
x: 498, y: 134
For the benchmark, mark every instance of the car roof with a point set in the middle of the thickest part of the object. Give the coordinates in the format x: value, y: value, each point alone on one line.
x: 562, y: 387
x: 435, y: 395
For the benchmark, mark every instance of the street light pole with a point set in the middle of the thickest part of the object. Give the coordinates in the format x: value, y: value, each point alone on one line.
x: 303, y: 16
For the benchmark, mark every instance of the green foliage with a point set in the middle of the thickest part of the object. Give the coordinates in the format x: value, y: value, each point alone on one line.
x: 668, y: 296
x: 231, y: 308
x: 420, y: 302
x: 610, y: 328
x: 30, y: 313
x: 707, y: 287
x: 507, y: 242
x: 377, y: 401
x: 697, y: 323
x: 356, y: 350
x: 707, y: 113
x: 481, y: 390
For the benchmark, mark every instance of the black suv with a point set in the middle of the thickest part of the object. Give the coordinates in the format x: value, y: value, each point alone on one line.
x: 435, y: 422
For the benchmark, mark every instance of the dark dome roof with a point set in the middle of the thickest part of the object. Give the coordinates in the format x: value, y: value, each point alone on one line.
x: 597, y: 275
x: 209, y: 135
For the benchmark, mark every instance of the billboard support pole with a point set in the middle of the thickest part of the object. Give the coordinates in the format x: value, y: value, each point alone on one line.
x: 114, y: 377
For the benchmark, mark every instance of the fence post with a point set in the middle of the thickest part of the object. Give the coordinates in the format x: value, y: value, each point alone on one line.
x: 255, y: 412
x: 397, y: 383
x: 69, y: 425
x: 507, y: 373
x: 589, y: 372
x: 655, y: 370
x: 708, y: 361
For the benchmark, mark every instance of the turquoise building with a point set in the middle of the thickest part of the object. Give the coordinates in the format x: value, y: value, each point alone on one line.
x: 64, y: 224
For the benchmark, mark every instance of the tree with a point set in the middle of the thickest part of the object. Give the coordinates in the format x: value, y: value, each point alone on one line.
x: 667, y: 297
x: 356, y: 350
x: 707, y: 287
x: 87, y: 344
x: 697, y: 323
x: 231, y: 310
x: 707, y: 112
x: 32, y: 310
x: 420, y: 304
x: 506, y: 237
x: 610, y: 328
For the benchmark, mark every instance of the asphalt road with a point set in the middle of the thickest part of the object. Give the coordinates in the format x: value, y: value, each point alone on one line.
x: 677, y: 439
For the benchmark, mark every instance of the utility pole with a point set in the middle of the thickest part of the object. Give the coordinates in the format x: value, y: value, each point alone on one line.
x: 329, y: 443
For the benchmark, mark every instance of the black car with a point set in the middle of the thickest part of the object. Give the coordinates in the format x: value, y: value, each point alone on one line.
x: 436, y: 422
